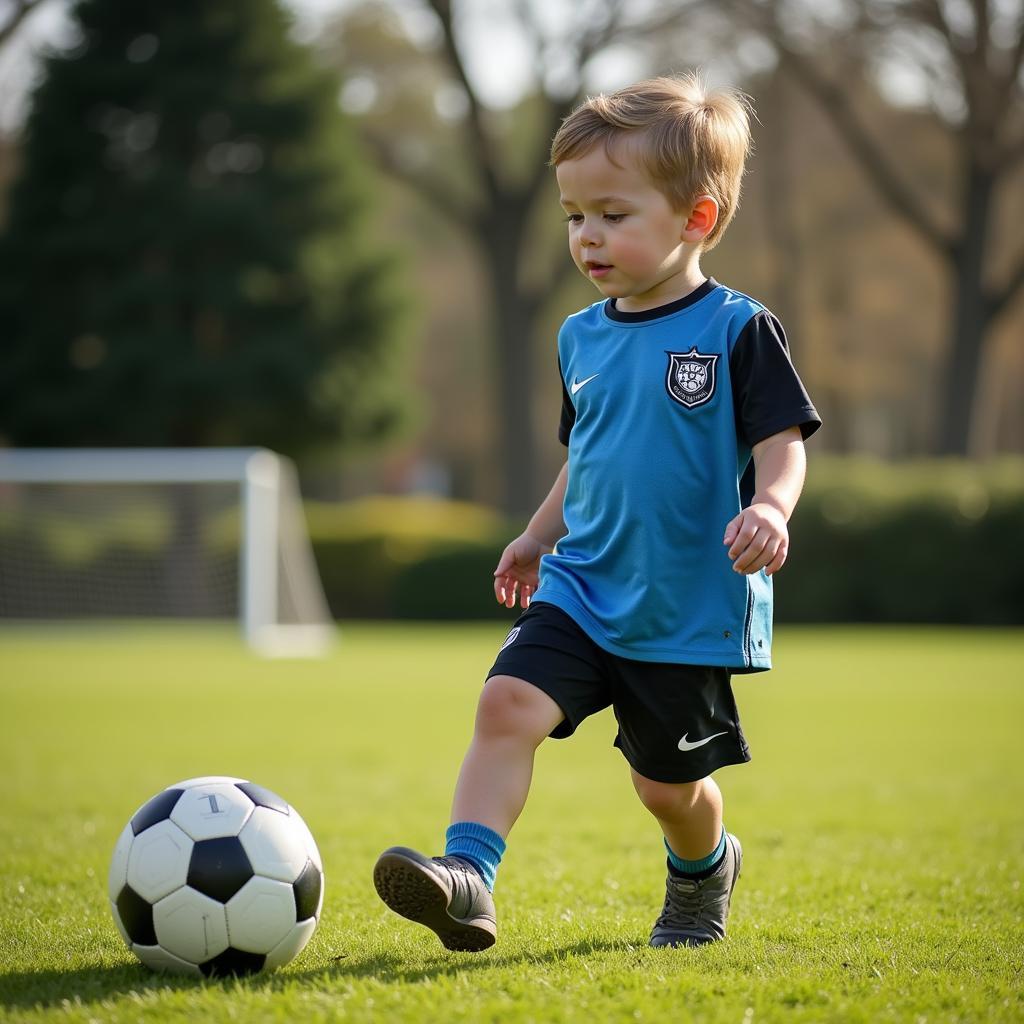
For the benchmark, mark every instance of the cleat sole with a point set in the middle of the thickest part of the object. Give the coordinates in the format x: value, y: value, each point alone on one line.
x: 411, y: 889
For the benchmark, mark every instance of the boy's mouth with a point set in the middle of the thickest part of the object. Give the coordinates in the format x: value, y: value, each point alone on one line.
x: 597, y: 269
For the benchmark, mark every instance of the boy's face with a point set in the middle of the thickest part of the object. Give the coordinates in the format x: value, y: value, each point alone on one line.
x: 624, y: 234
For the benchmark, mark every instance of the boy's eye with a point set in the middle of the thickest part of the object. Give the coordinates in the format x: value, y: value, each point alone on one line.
x: 611, y: 218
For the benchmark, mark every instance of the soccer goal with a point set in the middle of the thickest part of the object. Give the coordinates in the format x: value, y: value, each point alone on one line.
x: 161, y: 533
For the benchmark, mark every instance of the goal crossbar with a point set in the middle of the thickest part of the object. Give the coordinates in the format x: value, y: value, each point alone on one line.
x: 267, y: 523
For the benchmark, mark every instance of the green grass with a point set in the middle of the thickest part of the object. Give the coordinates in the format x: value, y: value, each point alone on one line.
x: 882, y: 820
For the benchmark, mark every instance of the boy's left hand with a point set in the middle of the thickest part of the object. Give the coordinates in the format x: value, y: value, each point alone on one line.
x: 757, y: 538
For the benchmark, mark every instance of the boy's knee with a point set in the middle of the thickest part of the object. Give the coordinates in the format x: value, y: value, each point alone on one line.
x: 667, y: 800
x: 511, y: 707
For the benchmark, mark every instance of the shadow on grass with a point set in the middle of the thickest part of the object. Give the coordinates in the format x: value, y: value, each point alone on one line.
x: 84, y: 985
x: 38, y: 989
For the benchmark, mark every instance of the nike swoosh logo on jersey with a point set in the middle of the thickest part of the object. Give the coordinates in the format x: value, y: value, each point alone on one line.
x: 685, y: 744
x: 577, y: 384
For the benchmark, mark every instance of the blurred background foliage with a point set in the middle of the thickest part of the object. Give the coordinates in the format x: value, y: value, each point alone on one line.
x: 185, y: 260
x: 922, y: 541
x: 379, y: 297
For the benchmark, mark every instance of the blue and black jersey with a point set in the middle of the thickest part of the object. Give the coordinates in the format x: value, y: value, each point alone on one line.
x: 660, y: 412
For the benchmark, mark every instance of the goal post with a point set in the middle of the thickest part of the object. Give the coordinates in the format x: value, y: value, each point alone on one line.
x: 122, y: 532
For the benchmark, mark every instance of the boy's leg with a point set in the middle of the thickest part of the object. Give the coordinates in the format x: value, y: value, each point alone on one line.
x: 513, y: 718
x: 451, y: 894
x: 690, y: 814
x: 703, y: 860
x: 677, y: 725
x: 567, y: 683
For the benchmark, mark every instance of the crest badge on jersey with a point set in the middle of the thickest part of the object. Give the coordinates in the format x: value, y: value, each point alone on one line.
x: 691, y: 377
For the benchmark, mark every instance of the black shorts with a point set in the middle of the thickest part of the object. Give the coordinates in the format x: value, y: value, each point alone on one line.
x: 677, y: 723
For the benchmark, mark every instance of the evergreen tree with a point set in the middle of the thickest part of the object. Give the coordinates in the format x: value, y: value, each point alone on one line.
x: 184, y: 262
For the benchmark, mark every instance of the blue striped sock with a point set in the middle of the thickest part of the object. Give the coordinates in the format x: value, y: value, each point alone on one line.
x: 478, y: 844
x: 698, y: 867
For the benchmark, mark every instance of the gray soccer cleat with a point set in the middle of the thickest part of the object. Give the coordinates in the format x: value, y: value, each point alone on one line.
x: 444, y: 893
x: 695, y: 912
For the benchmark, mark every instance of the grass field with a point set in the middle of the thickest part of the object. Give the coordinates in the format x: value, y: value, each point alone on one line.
x: 882, y: 820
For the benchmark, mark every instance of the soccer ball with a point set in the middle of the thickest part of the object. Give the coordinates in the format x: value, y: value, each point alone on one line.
x: 216, y: 876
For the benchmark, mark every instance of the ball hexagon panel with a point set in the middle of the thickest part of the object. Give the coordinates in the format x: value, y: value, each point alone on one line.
x: 135, y: 916
x: 158, y: 861
x: 262, y: 797
x: 308, y: 890
x: 274, y: 846
x: 311, y: 847
x: 211, y: 811
x: 118, y: 874
x: 160, y: 960
x: 292, y: 944
x: 191, y: 925
x: 233, y: 961
x: 155, y: 810
x: 260, y: 915
x: 120, y: 927
x: 219, y: 867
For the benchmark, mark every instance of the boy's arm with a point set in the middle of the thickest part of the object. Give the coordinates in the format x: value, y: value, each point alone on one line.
x: 519, y: 565
x: 758, y: 537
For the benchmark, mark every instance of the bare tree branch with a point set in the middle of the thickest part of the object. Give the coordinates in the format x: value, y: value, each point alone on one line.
x: 482, y: 152
x: 1017, y: 59
x: 1010, y: 83
x: 594, y: 40
x: 1006, y: 294
x: 530, y: 26
x: 837, y: 104
x: 432, y: 190
x: 557, y: 112
x: 22, y: 8
x: 904, y: 201
x: 931, y: 13
x: 982, y: 25
x: 559, y: 274
x: 1011, y: 155
x: 599, y: 37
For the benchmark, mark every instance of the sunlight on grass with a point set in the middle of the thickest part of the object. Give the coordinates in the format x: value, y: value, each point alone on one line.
x: 881, y: 820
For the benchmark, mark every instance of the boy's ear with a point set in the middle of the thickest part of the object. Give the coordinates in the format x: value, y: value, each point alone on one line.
x: 702, y: 219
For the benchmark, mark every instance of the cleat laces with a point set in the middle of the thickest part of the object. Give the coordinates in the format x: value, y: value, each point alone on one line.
x: 685, y: 903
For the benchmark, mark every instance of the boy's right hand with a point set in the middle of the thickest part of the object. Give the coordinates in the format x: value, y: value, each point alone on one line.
x: 519, y: 569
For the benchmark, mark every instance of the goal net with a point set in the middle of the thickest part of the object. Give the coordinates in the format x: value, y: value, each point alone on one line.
x: 161, y: 533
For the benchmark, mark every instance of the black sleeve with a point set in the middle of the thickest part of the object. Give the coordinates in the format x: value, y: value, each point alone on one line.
x: 768, y: 396
x: 565, y: 424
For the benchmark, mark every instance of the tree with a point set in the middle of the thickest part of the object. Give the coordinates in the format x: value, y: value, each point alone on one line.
x: 184, y: 261
x: 967, y: 63
x: 486, y: 171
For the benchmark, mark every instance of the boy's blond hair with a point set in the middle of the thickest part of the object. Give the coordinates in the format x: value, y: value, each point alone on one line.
x: 690, y: 140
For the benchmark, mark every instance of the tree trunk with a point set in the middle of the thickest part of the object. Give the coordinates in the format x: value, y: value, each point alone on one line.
x: 501, y: 241
x: 970, y: 314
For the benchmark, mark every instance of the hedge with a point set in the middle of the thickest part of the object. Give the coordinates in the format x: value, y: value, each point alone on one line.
x: 930, y: 541
x: 935, y: 541
x: 411, y: 558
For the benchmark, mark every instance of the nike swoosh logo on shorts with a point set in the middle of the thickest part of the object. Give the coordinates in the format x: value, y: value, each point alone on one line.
x: 577, y: 384
x: 685, y: 744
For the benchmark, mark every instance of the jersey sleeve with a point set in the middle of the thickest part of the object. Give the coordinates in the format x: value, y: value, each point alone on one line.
x: 768, y: 395
x: 568, y: 418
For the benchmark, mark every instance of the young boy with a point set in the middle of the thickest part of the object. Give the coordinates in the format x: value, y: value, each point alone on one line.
x: 645, y: 573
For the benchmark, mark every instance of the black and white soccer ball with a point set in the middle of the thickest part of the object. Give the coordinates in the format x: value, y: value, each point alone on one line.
x: 215, y: 876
